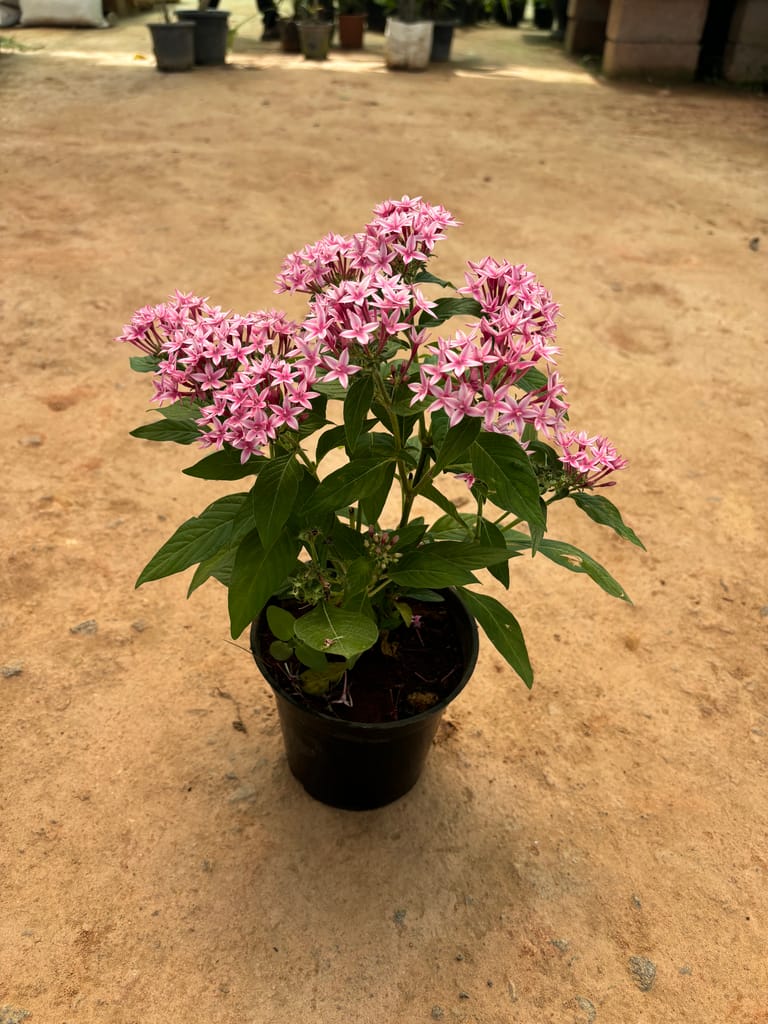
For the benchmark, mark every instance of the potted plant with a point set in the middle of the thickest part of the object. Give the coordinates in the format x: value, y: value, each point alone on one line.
x: 210, y: 32
x: 173, y: 43
x: 351, y: 24
x: 508, y: 12
x: 350, y: 547
x: 315, y: 20
x: 408, y: 37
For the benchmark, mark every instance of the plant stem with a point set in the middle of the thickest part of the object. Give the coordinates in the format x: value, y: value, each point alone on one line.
x: 311, y: 466
x: 406, y: 492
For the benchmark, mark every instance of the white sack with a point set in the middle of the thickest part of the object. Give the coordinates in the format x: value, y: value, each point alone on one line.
x: 8, y: 16
x: 83, y: 13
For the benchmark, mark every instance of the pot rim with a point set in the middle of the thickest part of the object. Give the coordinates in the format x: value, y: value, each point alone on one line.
x: 469, y: 666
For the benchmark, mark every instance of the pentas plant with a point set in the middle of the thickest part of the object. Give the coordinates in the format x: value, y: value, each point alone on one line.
x: 422, y: 407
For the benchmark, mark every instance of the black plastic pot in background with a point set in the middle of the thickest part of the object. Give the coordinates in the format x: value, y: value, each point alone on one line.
x: 174, y: 45
x: 542, y: 15
x: 315, y: 39
x: 511, y: 15
x: 211, y: 29
x: 442, y: 40
x: 376, y: 16
x: 358, y: 765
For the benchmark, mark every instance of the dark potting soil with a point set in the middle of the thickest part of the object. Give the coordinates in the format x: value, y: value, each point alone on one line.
x: 424, y: 665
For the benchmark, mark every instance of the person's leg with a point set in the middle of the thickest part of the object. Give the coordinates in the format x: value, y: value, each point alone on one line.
x: 269, y: 17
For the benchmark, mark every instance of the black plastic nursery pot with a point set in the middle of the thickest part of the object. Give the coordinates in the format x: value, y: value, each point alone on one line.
x: 542, y: 16
x: 442, y: 40
x: 315, y: 39
x: 174, y: 45
x: 211, y: 28
x: 362, y: 765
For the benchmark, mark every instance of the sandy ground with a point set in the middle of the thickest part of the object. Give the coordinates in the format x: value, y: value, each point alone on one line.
x: 158, y: 864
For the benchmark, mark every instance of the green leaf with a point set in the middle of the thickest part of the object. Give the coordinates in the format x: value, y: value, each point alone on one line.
x: 225, y: 465
x: 447, y: 506
x: 331, y: 439
x: 428, y: 568
x: 602, y: 511
x: 180, y: 431
x: 312, y: 659
x: 331, y: 389
x: 458, y: 441
x: 195, y: 540
x: 502, y: 629
x: 577, y: 561
x: 314, y: 419
x: 359, y: 576
x: 280, y: 622
x: 374, y: 503
x: 410, y: 535
x: 183, y: 409
x: 358, y: 479
x: 424, y: 277
x: 280, y: 650
x: 144, y: 364
x: 491, y: 536
x: 346, y: 543
x: 468, y: 554
x: 219, y: 566
x: 356, y: 406
x: 273, y: 496
x: 447, y: 307
x: 336, y: 631
x: 257, y: 574
x: 406, y: 612
x: 531, y: 380
x: 502, y: 465
x: 380, y: 446
x: 317, y: 682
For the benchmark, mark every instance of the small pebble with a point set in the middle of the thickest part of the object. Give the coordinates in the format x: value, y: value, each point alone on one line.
x: 10, y: 1015
x: 86, y: 628
x: 587, y: 1007
x: 754, y: 243
x: 685, y: 970
x: 636, y: 902
x: 14, y: 669
x: 463, y: 995
x: 138, y: 626
x: 437, y: 1013
x: 243, y: 793
x: 562, y: 945
x: 31, y: 441
x: 643, y: 971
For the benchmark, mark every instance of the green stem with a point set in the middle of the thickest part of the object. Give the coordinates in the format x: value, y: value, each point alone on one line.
x: 311, y: 466
x: 406, y: 493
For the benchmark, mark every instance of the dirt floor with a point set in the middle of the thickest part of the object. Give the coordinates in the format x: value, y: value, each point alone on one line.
x: 592, y: 851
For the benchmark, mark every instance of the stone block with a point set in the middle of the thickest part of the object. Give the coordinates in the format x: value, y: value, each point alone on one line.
x: 744, y: 63
x: 591, y: 10
x: 749, y: 24
x: 584, y: 36
x: 661, y: 60
x: 656, y: 21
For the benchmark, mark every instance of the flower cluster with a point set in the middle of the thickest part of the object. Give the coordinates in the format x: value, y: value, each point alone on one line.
x: 241, y: 371
x: 252, y: 376
x: 401, y: 233
x: 479, y: 373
